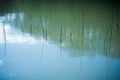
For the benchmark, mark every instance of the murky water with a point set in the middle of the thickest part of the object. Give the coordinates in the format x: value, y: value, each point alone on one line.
x: 60, y: 41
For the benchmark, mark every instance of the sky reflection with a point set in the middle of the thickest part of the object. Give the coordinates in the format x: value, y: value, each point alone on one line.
x: 16, y: 36
x: 1, y: 62
x: 56, y: 41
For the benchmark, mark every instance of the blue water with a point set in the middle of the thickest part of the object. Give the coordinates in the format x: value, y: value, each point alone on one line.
x: 32, y: 61
x: 71, y: 45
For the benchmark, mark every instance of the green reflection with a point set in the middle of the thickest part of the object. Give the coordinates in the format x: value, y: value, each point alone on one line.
x: 82, y: 29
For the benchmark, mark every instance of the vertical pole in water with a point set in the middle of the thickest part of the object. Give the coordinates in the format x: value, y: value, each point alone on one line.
x: 46, y: 34
x: 71, y: 36
x: 30, y: 32
x: 60, y: 40
x: 43, y: 31
x: 83, y: 27
x: 117, y: 15
x: 22, y: 31
x: 42, y: 26
x: 111, y: 31
x: 61, y: 36
x: 4, y: 32
x: 30, y: 29
x: 42, y: 51
x: 107, y: 39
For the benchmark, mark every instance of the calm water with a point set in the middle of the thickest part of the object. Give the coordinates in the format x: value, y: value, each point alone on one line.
x: 60, y: 41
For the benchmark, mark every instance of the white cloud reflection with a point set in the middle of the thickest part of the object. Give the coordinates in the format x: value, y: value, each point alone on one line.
x: 15, y: 36
x: 18, y: 37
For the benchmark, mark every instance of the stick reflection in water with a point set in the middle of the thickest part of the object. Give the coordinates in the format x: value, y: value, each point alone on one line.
x: 4, y: 33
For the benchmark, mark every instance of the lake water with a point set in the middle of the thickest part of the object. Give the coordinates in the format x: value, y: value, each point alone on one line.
x: 60, y: 41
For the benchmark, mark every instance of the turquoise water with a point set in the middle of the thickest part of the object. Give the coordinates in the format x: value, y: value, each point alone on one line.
x: 60, y: 41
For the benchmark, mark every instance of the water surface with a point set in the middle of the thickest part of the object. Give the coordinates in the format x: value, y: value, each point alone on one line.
x: 60, y: 41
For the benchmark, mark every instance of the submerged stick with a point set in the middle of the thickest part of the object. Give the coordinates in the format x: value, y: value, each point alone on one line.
x: 61, y: 36
x: 106, y: 39
x: 82, y: 27
x: 111, y: 30
x: 22, y: 27
x: 71, y: 36
x: 22, y: 30
x: 61, y: 41
x: 110, y: 38
x: 42, y: 26
x: 4, y: 32
x: 117, y: 15
x: 107, y: 45
x: 30, y: 29
x: 42, y: 51
x: 46, y: 35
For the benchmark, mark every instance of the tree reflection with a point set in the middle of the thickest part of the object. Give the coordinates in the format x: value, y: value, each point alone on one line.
x: 80, y: 29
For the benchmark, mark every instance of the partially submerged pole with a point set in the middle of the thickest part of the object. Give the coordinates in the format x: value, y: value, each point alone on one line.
x: 42, y: 27
x: 82, y: 27
x: 4, y: 33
